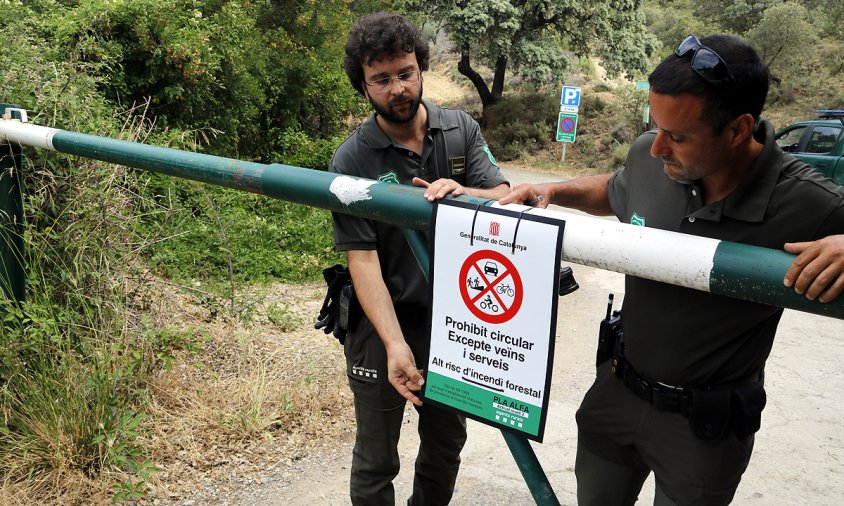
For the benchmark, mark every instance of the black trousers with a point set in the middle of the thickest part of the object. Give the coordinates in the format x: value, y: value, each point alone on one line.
x: 622, y: 439
x: 379, y: 411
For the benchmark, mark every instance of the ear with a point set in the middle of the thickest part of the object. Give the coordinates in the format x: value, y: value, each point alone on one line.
x: 740, y: 129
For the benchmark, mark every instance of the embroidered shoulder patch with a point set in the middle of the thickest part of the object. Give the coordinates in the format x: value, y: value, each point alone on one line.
x: 489, y: 154
x: 637, y: 220
x: 389, y: 177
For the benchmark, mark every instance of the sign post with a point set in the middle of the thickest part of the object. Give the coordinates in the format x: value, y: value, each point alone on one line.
x: 493, y: 317
x: 646, y: 114
x: 567, y: 121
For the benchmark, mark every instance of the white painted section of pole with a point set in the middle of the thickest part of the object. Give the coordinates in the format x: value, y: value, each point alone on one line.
x: 349, y: 190
x: 27, y: 134
x: 660, y: 255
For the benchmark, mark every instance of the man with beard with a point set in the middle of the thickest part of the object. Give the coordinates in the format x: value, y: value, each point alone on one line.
x: 410, y: 141
x: 682, y: 396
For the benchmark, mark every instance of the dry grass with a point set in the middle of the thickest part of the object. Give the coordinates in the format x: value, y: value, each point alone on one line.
x: 254, y: 398
x: 259, y: 394
x: 62, y: 488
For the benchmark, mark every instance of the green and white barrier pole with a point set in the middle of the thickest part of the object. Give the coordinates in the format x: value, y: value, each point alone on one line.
x: 719, y: 267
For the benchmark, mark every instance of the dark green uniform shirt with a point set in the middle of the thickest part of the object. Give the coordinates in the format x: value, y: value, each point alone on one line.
x: 687, y: 337
x: 453, y: 149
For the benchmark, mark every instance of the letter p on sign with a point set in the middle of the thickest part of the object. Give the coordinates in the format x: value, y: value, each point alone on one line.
x: 570, y: 96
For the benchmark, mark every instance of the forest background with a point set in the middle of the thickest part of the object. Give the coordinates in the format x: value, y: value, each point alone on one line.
x: 161, y: 335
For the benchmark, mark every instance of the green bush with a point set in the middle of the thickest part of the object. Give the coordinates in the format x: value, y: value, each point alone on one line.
x: 521, y: 124
x: 592, y: 106
x: 209, y: 227
x: 619, y: 154
x: 245, y: 70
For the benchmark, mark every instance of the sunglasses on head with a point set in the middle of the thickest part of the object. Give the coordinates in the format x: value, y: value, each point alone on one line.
x: 705, y: 61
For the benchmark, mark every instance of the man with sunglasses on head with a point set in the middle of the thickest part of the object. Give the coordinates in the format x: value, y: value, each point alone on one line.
x: 682, y: 394
x: 406, y: 140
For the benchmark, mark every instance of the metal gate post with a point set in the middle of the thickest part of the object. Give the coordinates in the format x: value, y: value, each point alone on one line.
x: 12, y: 275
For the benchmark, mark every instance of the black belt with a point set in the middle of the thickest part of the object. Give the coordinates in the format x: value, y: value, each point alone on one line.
x: 659, y: 395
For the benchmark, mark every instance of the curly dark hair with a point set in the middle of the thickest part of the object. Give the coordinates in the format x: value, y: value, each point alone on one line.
x: 722, y: 102
x: 381, y: 35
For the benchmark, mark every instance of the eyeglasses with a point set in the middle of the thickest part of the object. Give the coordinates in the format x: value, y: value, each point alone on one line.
x: 705, y: 61
x: 384, y: 84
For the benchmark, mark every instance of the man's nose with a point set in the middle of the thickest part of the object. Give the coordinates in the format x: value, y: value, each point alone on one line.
x: 396, y: 81
x: 659, y: 148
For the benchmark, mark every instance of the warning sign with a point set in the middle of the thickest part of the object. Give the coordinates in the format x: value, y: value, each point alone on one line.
x: 492, y: 289
x: 494, y: 280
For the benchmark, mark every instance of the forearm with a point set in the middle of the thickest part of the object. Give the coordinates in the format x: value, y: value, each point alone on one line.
x: 373, y: 296
x: 375, y: 300
x: 589, y: 194
x: 493, y: 193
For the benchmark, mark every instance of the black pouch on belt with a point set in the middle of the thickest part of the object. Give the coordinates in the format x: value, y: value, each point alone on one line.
x: 748, y: 402
x: 350, y: 310
x: 709, y: 413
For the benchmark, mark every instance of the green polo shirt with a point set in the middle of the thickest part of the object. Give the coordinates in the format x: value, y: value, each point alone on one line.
x: 453, y: 148
x: 691, y: 338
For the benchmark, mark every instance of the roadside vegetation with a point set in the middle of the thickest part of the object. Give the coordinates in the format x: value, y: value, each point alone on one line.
x: 166, y: 332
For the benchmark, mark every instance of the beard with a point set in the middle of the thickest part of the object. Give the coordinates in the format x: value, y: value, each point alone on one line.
x: 392, y: 114
x: 682, y: 176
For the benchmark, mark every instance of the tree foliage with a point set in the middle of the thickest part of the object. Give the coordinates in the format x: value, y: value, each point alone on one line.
x: 536, y: 38
x: 782, y: 36
x: 246, y: 76
x: 732, y: 16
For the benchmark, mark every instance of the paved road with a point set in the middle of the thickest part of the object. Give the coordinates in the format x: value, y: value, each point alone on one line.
x: 799, y: 451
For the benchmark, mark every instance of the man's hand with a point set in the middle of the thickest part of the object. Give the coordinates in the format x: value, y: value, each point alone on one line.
x: 529, y: 195
x: 440, y: 188
x: 402, y: 372
x: 818, y: 270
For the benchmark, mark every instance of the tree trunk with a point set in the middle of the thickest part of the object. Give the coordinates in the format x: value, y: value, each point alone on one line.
x: 465, y: 68
x: 498, y: 80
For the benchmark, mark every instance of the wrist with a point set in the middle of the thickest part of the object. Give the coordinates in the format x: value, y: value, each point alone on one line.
x: 393, y: 343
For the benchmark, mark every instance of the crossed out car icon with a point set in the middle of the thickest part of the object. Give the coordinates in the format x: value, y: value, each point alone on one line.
x: 491, y: 268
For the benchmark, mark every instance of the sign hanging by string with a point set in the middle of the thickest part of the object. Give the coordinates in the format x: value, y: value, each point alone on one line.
x: 494, y: 279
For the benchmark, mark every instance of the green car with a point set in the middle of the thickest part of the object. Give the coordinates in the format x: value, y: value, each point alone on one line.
x: 819, y: 143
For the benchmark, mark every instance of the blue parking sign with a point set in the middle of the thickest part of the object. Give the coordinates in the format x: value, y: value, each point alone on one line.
x: 570, y: 96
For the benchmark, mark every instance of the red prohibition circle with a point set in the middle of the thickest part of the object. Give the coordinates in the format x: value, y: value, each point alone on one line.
x: 477, y: 261
x: 566, y: 124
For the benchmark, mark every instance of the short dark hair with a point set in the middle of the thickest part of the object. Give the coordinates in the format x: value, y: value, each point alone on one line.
x: 381, y: 35
x: 723, y: 102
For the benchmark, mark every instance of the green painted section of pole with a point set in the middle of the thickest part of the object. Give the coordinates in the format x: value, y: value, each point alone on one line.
x: 418, y: 242
x: 537, y: 482
x: 737, y: 272
x: 12, y: 273
x: 520, y: 448
x: 390, y: 203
